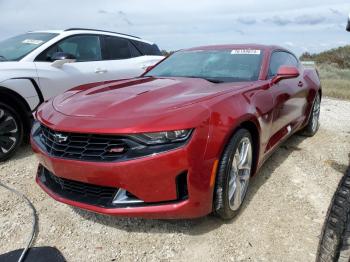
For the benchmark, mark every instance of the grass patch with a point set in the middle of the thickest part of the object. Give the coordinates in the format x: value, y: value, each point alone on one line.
x: 335, y: 81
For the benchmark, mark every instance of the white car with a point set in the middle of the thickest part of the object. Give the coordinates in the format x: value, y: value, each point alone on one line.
x: 39, y: 65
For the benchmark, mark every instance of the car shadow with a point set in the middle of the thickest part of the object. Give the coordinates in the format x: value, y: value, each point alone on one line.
x: 23, y: 152
x: 202, y: 225
x: 277, y: 158
x: 185, y: 226
x: 35, y: 254
x: 341, y: 168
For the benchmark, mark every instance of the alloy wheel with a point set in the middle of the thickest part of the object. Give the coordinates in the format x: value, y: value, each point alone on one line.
x: 240, y: 173
x: 9, y: 132
x: 316, y: 113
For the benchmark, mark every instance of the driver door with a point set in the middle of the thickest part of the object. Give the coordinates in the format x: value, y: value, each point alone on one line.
x: 289, y: 98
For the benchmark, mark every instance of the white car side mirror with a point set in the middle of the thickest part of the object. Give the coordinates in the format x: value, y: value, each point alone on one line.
x: 61, y: 58
x: 60, y: 63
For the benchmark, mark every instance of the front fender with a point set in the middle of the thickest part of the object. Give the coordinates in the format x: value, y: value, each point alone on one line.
x: 227, y: 115
x: 26, y: 88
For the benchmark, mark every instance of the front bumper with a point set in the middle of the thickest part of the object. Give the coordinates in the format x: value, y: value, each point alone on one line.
x: 152, y: 179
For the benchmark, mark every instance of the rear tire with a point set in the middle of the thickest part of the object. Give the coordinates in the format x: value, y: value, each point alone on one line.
x: 335, y: 239
x: 313, y: 125
x: 11, y: 131
x: 232, y: 179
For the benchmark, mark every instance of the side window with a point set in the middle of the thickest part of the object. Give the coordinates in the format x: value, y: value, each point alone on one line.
x: 279, y: 59
x: 147, y: 49
x: 291, y: 60
x: 84, y: 47
x: 117, y: 48
x: 134, y: 51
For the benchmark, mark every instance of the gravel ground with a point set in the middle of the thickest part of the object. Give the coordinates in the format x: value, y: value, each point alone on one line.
x: 280, y: 221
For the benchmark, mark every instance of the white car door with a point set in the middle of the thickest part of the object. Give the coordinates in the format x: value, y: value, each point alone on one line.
x: 88, y: 67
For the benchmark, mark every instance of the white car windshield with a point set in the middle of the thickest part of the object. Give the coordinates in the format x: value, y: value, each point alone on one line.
x: 213, y: 65
x: 15, y: 48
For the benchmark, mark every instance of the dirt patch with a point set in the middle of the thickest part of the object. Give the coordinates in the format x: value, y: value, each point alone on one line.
x: 280, y: 221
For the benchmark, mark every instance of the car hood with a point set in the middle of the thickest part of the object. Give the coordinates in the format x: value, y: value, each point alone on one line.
x: 137, y: 97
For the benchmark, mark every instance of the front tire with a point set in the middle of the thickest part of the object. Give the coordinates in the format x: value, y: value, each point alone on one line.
x: 11, y: 131
x: 233, y: 175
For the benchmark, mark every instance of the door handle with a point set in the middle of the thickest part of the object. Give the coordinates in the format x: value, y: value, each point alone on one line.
x: 100, y: 71
x: 300, y: 84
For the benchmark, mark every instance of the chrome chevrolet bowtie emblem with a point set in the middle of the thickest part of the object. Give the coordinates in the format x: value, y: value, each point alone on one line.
x: 59, y: 138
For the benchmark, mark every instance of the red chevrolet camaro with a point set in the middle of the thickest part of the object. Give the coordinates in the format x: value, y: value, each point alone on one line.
x: 182, y: 140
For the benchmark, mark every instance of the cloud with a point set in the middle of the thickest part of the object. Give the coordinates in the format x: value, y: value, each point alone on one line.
x: 125, y: 18
x: 172, y: 27
x: 277, y: 20
x: 335, y: 11
x: 246, y: 20
x: 304, y: 19
x: 288, y: 43
x: 307, y: 19
x: 239, y: 31
x: 342, y: 43
x: 120, y: 14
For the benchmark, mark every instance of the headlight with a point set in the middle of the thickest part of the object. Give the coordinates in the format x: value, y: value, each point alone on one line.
x: 163, y: 137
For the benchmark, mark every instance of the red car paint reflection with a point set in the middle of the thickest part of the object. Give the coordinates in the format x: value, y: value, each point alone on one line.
x: 179, y: 182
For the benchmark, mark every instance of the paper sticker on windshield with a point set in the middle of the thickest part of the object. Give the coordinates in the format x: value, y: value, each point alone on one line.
x: 245, y: 52
x: 32, y: 42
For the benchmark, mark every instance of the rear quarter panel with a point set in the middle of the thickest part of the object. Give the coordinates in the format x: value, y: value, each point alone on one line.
x: 314, y: 86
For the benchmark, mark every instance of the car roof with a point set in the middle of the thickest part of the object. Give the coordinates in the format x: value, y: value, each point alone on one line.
x: 237, y: 46
x: 72, y: 31
x: 47, y: 31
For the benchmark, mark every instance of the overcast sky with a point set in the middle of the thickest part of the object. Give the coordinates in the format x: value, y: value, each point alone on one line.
x: 300, y: 25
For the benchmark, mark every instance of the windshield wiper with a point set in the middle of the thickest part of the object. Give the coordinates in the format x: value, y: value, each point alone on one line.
x: 213, y: 80
x: 2, y: 58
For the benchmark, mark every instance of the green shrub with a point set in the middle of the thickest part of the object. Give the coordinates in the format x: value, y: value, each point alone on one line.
x: 335, y: 81
x: 339, y: 56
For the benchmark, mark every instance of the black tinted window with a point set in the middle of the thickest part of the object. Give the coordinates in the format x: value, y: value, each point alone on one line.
x: 83, y: 47
x: 117, y: 48
x: 134, y: 51
x: 147, y: 49
x: 279, y: 59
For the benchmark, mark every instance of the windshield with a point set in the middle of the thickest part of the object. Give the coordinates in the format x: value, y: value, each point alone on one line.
x: 217, y: 66
x: 15, y: 48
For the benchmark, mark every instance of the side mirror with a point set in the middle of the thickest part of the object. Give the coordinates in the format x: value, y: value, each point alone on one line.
x: 285, y: 72
x: 348, y: 26
x: 61, y: 58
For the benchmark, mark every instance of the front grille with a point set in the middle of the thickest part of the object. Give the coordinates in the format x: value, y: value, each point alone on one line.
x: 77, y: 191
x: 88, y: 147
x: 95, y: 147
